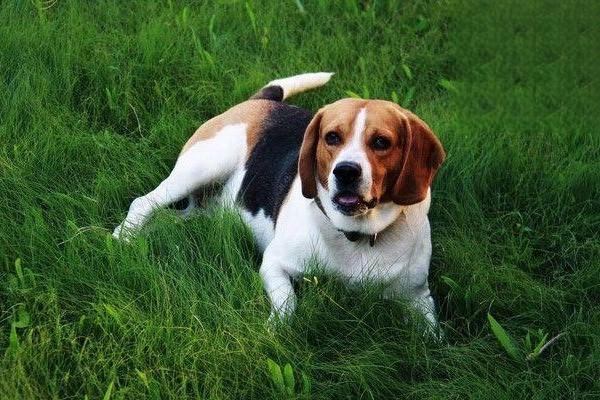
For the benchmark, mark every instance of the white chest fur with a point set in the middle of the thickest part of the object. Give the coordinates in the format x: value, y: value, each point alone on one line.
x: 399, y: 258
x: 303, y: 232
x: 389, y: 259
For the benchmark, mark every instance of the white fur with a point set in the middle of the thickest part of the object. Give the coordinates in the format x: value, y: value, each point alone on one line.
x: 232, y: 186
x: 206, y: 161
x: 262, y: 227
x: 399, y: 259
x: 300, y: 83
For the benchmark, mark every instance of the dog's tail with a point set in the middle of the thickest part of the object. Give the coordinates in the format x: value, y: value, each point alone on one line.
x: 281, y: 89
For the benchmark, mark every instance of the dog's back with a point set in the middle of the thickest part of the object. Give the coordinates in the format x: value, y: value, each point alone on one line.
x: 272, y: 164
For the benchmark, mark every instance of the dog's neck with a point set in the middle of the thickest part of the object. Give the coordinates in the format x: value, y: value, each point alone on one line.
x: 374, y: 222
x: 352, y: 236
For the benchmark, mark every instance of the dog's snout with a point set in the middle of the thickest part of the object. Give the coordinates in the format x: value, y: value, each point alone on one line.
x: 347, y: 172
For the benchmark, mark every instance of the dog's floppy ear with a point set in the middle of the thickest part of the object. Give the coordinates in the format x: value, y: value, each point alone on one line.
x: 307, y: 162
x: 422, y: 156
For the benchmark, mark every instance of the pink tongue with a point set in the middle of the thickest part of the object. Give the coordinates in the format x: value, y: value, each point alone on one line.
x: 348, y: 200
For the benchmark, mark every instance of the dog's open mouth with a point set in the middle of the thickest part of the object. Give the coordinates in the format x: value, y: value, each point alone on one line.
x: 351, y: 203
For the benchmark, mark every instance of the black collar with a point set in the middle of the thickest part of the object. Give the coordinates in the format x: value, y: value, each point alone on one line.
x: 352, y: 236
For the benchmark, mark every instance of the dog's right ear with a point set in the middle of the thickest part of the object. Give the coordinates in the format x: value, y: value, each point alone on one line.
x: 307, y: 162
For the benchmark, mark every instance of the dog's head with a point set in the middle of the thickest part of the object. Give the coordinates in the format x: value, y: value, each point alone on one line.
x: 360, y: 155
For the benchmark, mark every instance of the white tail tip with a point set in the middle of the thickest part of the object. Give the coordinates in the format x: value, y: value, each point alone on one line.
x: 300, y: 83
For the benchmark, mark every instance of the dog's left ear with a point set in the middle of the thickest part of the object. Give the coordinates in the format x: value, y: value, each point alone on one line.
x: 422, y: 156
x: 307, y: 162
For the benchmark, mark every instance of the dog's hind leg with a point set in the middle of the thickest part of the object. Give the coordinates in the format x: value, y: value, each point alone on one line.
x: 205, y: 161
x: 186, y: 206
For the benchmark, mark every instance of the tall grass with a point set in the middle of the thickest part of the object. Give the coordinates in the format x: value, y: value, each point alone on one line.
x: 96, y: 100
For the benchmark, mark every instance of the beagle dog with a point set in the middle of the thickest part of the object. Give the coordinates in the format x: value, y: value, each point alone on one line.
x: 348, y: 186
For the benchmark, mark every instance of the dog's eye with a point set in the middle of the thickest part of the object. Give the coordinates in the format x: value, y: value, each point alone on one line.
x: 332, y: 138
x: 381, y: 143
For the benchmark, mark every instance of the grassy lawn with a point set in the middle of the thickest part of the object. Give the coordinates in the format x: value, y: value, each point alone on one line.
x: 97, y: 98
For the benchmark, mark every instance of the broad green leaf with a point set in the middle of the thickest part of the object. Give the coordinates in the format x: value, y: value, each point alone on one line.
x: 13, y: 339
x: 450, y: 282
x: 504, y: 338
x: 407, y: 71
x: 108, y: 392
x: 276, y: 375
x: 110, y: 310
x: 536, y: 352
x: 300, y: 7
x: 408, y: 97
x: 19, y: 271
x: 528, y: 341
x: 448, y: 85
x: 184, y: 16
x: 288, y: 377
x: 306, y: 385
x: 421, y: 24
x: 366, y: 93
x: 23, y: 319
x: 143, y: 377
x: 251, y: 16
x: 211, y: 28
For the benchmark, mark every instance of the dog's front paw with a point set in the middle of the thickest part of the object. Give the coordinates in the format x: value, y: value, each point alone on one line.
x: 278, y: 318
x: 434, y: 332
x: 274, y: 319
x: 123, y: 232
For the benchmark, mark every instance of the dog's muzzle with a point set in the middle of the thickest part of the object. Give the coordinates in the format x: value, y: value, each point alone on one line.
x: 348, y: 199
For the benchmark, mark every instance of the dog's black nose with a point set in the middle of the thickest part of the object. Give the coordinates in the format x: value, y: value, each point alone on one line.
x: 347, y: 172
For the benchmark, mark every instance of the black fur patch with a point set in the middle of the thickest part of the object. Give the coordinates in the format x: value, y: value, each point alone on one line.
x: 273, y: 163
x: 274, y: 93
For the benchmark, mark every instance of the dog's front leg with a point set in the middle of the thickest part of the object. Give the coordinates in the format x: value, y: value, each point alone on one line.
x: 278, y: 285
x: 418, y: 285
x: 421, y: 301
x: 424, y: 303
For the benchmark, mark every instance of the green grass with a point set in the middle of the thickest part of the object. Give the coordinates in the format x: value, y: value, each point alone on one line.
x: 96, y: 100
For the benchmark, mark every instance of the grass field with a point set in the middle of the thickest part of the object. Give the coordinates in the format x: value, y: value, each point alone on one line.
x: 96, y: 100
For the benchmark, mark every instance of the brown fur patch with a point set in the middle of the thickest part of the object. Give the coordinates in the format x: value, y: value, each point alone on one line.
x: 382, y: 120
x: 250, y: 112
